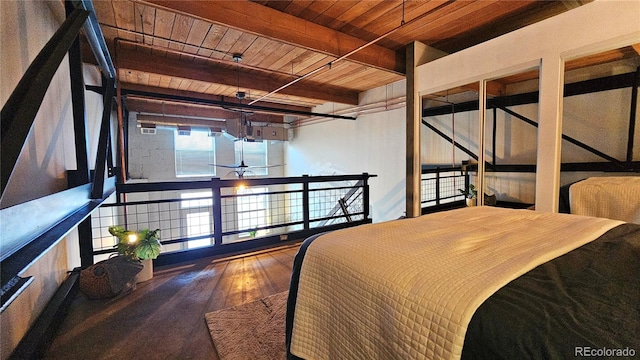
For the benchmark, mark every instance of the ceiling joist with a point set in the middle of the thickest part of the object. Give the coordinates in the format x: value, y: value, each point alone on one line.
x: 227, y: 105
x: 212, y: 72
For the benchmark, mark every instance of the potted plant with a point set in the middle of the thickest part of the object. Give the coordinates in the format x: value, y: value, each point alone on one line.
x: 143, y: 246
x: 470, y: 195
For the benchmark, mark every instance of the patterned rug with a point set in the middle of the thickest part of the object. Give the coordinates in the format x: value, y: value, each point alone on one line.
x: 253, y: 330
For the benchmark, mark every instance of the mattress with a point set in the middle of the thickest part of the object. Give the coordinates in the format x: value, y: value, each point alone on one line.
x: 408, y: 288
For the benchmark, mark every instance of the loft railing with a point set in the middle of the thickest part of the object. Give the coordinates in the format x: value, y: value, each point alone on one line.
x: 214, y: 217
x: 439, y: 187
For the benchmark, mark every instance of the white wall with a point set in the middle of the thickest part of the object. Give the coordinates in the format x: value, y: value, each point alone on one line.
x: 373, y: 143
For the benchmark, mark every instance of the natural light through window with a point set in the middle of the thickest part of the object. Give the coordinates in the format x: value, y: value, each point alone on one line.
x: 195, y: 154
x: 252, y: 210
x: 197, y: 212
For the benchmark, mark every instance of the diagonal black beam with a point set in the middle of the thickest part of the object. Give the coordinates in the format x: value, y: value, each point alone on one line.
x: 103, y: 142
x: 95, y: 38
x: 567, y: 138
x: 444, y: 136
x: 19, y: 112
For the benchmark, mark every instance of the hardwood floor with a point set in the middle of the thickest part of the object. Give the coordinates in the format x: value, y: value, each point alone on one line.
x: 164, y: 317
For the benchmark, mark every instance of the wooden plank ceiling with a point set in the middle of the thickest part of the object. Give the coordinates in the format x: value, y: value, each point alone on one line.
x: 188, y: 47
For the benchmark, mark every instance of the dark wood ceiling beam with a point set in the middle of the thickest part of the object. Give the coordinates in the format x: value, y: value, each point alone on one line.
x: 209, y: 97
x: 215, y: 73
x: 267, y: 22
x: 141, y: 105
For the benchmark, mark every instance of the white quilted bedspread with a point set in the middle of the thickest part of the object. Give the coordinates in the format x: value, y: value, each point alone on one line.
x: 407, y: 289
x: 609, y: 197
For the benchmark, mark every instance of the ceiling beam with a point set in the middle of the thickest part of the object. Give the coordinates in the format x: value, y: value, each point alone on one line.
x: 215, y: 73
x: 227, y: 105
x: 173, y: 109
x: 266, y: 22
x: 209, y: 97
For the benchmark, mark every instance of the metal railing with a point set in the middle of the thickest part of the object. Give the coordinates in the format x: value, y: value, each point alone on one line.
x: 219, y: 216
x: 439, y: 186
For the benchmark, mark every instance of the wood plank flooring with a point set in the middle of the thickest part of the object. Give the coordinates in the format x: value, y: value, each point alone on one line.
x: 164, y: 317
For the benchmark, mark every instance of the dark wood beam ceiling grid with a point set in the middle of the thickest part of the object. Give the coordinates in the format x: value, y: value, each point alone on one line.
x: 261, y: 20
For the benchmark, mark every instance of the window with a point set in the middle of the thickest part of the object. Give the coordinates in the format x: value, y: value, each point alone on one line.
x: 195, y: 154
x: 254, y: 154
x: 252, y: 209
x: 197, y: 213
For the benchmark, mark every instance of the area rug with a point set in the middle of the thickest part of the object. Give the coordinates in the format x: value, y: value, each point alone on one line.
x: 253, y: 330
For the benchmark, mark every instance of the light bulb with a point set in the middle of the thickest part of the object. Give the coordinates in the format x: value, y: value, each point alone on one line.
x: 132, y: 238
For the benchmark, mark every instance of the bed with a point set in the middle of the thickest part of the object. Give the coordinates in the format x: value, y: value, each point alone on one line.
x: 472, y: 283
x: 613, y: 197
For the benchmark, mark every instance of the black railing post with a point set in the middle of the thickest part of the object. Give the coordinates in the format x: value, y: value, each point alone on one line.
x: 438, y: 186
x: 365, y: 194
x: 466, y: 180
x: 217, y: 211
x: 86, y: 243
x: 495, y: 133
x: 305, y: 201
x: 632, y: 115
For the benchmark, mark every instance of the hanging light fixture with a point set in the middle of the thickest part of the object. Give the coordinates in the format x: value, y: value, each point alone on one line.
x: 239, y: 94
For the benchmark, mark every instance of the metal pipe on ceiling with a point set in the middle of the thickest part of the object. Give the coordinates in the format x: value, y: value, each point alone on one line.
x: 372, y: 108
x: 331, y: 63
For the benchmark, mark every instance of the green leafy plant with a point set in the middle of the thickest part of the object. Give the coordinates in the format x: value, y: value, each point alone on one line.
x: 470, y: 192
x: 137, y: 245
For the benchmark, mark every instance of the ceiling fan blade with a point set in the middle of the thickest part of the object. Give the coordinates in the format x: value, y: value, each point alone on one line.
x: 263, y: 167
x: 234, y: 166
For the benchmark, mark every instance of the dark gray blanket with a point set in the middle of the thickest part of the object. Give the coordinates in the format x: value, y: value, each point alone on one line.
x: 584, y: 302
